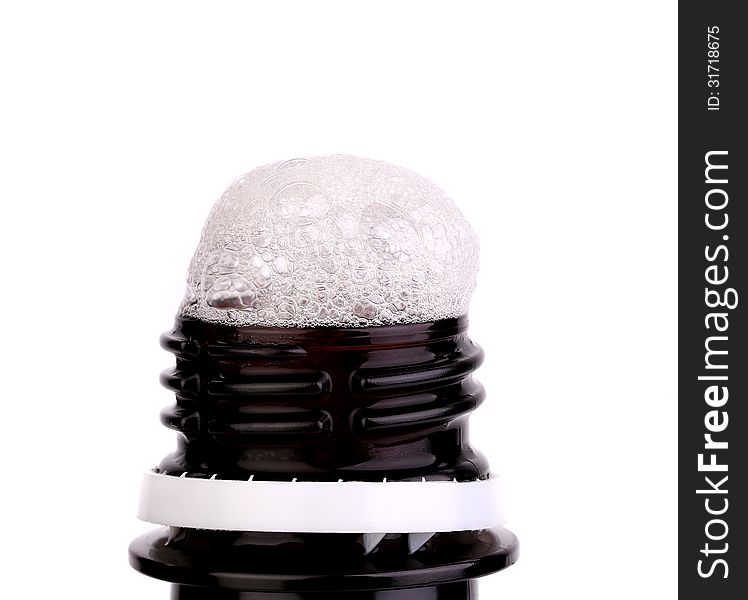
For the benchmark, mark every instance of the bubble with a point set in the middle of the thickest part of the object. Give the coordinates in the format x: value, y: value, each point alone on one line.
x: 346, y: 226
x: 281, y: 265
x: 259, y: 271
x: 231, y: 291
x: 365, y: 309
x: 229, y: 261
x: 291, y: 163
x: 301, y: 199
x: 397, y: 304
x: 363, y: 273
x: 190, y: 297
x: 380, y: 232
x: 262, y: 238
x: 286, y: 308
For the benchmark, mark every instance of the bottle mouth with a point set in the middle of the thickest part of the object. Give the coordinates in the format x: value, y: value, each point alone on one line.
x: 229, y: 340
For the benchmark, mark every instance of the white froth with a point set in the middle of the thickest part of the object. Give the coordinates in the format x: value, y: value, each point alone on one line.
x: 332, y: 241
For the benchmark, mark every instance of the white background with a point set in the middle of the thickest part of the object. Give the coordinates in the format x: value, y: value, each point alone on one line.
x: 551, y: 124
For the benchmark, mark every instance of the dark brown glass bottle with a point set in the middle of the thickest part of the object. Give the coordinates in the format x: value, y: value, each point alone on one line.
x: 322, y: 404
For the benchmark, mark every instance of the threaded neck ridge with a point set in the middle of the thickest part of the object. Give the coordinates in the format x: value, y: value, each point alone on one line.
x: 323, y: 404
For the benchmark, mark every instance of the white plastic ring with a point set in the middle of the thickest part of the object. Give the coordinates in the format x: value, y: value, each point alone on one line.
x: 321, y: 507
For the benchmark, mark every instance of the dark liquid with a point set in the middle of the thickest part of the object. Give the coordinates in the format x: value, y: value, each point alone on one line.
x: 322, y: 404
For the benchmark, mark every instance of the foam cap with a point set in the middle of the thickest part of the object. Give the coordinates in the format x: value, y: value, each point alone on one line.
x: 332, y: 241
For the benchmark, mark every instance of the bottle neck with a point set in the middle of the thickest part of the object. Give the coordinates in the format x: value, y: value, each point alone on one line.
x: 326, y: 404
x: 378, y: 404
x: 459, y: 590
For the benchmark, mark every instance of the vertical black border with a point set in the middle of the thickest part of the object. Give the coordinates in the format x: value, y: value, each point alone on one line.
x: 700, y: 131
